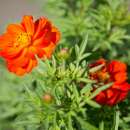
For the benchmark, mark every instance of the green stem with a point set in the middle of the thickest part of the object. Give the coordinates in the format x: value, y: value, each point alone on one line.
x: 70, y: 126
x: 116, y: 118
x: 101, y: 125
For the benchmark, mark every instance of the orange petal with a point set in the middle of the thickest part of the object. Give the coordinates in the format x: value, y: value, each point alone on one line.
x: 28, y: 24
x: 30, y: 66
x: 6, y: 40
x: 38, y: 42
x: 116, y: 66
x: 15, y: 28
x: 48, y: 50
x: 120, y: 77
x: 10, y: 53
x: 19, y: 60
x: 35, y: 63
x: 20, y: 72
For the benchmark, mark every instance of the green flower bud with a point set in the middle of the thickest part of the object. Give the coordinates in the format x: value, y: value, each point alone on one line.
x: 63, y: 54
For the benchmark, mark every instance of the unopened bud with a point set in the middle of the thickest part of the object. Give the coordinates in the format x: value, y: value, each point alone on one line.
x: 48, y: 98
x: 63, y: 54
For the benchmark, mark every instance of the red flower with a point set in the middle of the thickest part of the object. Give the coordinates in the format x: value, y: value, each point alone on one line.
x: 115, y: 72
x: 21, y: 43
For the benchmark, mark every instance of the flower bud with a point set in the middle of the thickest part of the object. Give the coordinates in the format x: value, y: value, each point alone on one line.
x: 63, y: 54
x: 48, y: 98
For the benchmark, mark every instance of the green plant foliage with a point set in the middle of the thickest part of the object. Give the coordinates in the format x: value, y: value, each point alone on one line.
x: 105, y: 21
x: 69, y: 103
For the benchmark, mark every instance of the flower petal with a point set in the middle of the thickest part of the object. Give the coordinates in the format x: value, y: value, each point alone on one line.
x: 28, y: 24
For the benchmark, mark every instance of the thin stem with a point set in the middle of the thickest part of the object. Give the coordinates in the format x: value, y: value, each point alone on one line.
x: 101, y: 125
x: 70, y: 126
x: 116, y: 118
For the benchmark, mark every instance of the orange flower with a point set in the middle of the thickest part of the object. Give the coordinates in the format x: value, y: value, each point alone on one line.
x: 115, y: 72
x: 21, y: 43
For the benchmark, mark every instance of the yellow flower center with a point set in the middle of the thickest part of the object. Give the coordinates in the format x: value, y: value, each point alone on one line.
x: 22, y: 39
x: 103, y: 76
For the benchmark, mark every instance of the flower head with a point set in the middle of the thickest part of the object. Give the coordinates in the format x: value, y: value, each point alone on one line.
x: 21, y: 43
x: 114, y: 71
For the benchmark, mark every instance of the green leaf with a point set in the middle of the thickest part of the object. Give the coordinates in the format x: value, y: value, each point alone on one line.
x: 76, y: 50
x: 86, y: 89
x: 95, y: 69
x: 92, y: 103
x: 85, y: 80
x: 70, y: 125
x: 98, y: 90
x: 85, y: 125
x: 83, y: 45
